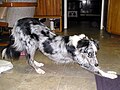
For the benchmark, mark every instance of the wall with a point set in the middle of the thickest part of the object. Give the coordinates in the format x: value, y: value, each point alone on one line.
x: 15, y: 13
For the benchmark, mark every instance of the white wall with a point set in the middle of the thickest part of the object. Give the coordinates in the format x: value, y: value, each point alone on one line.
x: 15, y: 13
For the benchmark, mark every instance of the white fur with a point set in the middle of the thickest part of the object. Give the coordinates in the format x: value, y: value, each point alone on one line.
x: 108, y: 75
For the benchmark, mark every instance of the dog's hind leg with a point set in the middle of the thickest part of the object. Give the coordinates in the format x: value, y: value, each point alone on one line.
x: 30, y: 52
x: 38, y: 64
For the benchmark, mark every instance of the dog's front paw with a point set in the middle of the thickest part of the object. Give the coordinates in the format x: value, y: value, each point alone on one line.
x: 40, y: 71
x: 111, y: 75
x: 111, y: 72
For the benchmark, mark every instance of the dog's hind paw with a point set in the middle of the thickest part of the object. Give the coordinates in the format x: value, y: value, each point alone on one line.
x: 40, y: 71
x: 38, y: 64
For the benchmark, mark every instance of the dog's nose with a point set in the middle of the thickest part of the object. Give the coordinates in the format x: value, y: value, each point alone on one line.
x: 96, y: 65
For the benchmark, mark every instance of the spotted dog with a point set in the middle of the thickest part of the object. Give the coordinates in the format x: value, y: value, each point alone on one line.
x: 30, y: 34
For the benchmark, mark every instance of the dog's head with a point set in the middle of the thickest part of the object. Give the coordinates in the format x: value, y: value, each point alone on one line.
x: 82, y: 45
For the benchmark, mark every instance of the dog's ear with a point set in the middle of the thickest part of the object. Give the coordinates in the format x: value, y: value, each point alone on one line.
x: 83, y: 43
x: 96, y: 43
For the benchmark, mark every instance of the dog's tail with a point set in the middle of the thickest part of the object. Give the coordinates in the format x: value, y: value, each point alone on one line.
x: 11, y: 51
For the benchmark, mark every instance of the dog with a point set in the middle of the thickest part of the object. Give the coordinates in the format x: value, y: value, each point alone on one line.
x: 30, y: 34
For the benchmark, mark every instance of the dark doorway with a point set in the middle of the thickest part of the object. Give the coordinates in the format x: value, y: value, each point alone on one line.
x: 84, y: 12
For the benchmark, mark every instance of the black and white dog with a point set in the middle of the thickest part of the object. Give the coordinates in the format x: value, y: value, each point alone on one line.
x: 30, y: 34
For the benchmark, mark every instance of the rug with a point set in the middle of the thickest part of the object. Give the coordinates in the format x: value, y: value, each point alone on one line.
x: 5, y: 66
x: 107, y: 84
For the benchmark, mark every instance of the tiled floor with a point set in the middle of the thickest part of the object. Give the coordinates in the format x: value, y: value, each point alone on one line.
x: 64, y: 76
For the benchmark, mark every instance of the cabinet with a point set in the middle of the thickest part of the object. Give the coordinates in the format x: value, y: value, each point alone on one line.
x: 113, y: 18
x: 50, y: 9
x: 73, y: 10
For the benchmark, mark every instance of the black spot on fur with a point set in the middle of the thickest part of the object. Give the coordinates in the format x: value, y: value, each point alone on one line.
x: 70, y: 49
x: 83, y: 43
x: 21, y: 39
x: 34, y: 36
x: 46, y: 34
x: 66, y: 39
x: 47, y: 47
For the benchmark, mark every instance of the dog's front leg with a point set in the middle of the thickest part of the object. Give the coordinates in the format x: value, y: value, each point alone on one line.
x: 97, y: 70
x: 85, y: 63
x: 111, y: 74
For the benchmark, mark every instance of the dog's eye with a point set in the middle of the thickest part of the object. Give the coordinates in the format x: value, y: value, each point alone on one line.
x: 86, y: 50
x: 90, y: 54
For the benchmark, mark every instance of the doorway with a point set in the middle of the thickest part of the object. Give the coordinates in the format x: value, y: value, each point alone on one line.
x: 84, y: 12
